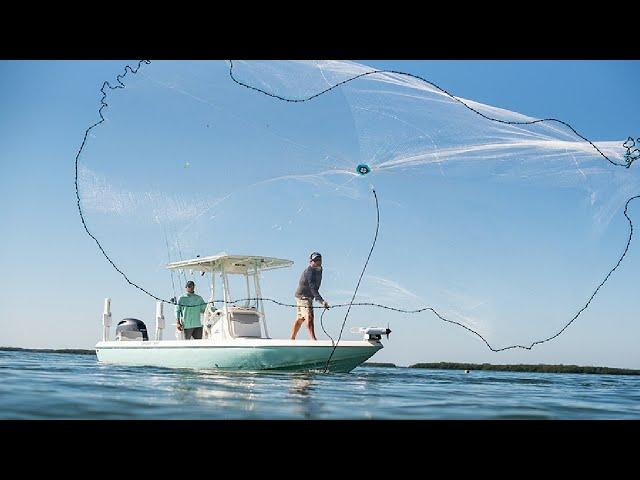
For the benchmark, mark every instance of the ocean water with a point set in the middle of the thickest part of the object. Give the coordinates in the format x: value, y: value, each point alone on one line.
x: 71, y: 386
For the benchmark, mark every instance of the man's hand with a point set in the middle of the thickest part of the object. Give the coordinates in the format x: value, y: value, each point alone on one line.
x: 179, y: 325
x: 325, y: 304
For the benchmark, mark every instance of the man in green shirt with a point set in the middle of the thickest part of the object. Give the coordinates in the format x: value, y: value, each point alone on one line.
x: 188, y: 311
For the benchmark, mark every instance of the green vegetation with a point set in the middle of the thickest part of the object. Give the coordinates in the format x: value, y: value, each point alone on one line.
x: 528, y: 368
x: 376, y: 364
x: 48, y: 350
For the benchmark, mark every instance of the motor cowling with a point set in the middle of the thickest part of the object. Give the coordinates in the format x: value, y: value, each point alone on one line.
x: 131, y: 329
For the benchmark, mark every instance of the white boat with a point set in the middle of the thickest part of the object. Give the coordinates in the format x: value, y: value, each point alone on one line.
x: 235, y: 336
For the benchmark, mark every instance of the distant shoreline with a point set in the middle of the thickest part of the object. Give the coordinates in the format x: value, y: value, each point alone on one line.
x: 77, y: 351
x: 540, y: 368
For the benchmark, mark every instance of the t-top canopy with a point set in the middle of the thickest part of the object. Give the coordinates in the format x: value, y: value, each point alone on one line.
x: 223, y: 262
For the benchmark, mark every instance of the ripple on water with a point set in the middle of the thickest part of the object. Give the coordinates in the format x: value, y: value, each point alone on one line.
x: 65, y: 386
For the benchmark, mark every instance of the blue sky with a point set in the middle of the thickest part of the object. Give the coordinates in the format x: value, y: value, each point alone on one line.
x: 55, y: 278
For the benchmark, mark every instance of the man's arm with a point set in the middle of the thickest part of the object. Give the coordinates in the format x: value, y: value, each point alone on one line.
x: 309, y: 277
x: 179, y: 312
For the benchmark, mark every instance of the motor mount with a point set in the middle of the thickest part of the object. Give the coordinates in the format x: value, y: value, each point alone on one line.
x: 372, y: 333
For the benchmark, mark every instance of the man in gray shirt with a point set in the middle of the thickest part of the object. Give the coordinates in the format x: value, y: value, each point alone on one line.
x: 307, y: 291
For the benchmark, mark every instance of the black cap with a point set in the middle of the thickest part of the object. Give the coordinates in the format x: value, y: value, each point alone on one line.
x: 315, y: 255
x: 190, y: 283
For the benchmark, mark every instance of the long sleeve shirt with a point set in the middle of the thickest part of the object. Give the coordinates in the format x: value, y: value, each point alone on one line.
x: 309, y: 284
x: 189, y: 308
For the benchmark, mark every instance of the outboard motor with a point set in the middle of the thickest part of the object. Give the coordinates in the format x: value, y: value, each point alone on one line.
x: 131, y: 329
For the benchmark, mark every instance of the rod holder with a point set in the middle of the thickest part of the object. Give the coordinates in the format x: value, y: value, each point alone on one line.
x: 106, y: 319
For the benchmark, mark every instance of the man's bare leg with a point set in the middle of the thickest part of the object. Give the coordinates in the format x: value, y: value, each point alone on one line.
x: 312, y: 332
x: 296, y: 326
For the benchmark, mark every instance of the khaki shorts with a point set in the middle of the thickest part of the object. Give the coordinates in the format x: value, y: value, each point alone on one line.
x: 303, y: 308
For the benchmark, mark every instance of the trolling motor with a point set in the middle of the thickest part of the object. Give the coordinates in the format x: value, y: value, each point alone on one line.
x: 372, y: 333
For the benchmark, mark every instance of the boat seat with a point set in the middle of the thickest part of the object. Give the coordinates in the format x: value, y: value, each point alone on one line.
x: 245, y: 322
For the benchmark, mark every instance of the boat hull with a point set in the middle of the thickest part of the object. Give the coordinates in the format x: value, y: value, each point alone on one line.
x: 253, y: 355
